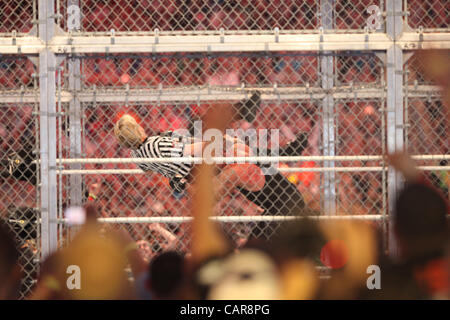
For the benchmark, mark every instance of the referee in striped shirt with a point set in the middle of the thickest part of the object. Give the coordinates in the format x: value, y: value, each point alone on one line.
x: 131, y: 135
x: 163, y: 147
x: 275, y: 194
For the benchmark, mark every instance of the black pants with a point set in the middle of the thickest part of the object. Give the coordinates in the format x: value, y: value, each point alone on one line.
x: 278, y: 197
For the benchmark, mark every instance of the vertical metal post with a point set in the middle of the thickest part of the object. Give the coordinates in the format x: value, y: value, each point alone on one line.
x: 327, y: 73
x: 394, y: 112
x: 383, y: 151
x: 47, y: 68
x: 75, y: 191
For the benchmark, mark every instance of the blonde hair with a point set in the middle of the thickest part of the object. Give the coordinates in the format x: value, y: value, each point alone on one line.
x: 129, y: 133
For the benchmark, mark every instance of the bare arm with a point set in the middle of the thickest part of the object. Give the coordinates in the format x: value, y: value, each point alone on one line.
x: 403, y: 163
x: 137, y: 263
x: 207, y: 241
x: 247, y: 176
x: 171, y: 239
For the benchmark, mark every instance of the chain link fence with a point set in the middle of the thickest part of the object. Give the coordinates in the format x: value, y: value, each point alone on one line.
x: 17, y: 16
x: 428, y: 14
x: 212, y: 15
x: 262, y: 15
x: 199, y: 69
x: 19, y: 178
x: 427, y: 122
x: 338, y: 100
x: 296, y: 111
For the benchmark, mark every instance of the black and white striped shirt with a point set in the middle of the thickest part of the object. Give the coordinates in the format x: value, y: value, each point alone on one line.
x: 163, y: 147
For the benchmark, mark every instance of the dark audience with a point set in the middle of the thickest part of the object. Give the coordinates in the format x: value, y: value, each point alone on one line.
x: 10, y: 271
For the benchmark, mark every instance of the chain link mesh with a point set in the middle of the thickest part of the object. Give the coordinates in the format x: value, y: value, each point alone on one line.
x: 213, y: 15
x: 227, y: 70
x: 150, y: 195
x: 18, y: 192
x: 180, y: 70
x: 359, y: 70
x: 360, y: 131
x: 413, y: 74
x: 16, y: 73
x: 426, y: 117
x: 18, y: 174
x: 428, y: 14
x: 428, y: 121
x: 161, y: 90
x: 17, y: 16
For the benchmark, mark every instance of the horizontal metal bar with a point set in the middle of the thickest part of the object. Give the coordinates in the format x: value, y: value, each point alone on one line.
x: 360, y: 169
x: 243, y: 159
x: 267, y: 95
x: 328, y: 41
x: 154, y: 32
x: 246, y: 43
x: 195, y: 93
x: 429, y: 40
x: 211, y: 94
x: 231, y: 219
x: 21, y: 45
x: 218, y: 43
x: 334, y: 169
x: 219, y: 32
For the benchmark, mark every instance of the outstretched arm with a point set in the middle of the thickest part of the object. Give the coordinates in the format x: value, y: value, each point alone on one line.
x: 403, y: 163
x: 169, y: 237
x: 207, y: 240
x: 137, y: 263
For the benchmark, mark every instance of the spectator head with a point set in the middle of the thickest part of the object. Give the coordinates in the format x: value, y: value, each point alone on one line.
x: 48, y: 286
x: 302, y: 239
x: 99, y: 256
x: 9, y: 265
x: 249, y: 274
x: 92, y: 211
x: 129, y: 133
x: 420, y: 221
x: 145, y: 250
x: 351, y: 247
x: 297, y: 249
x: 166, y: 275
